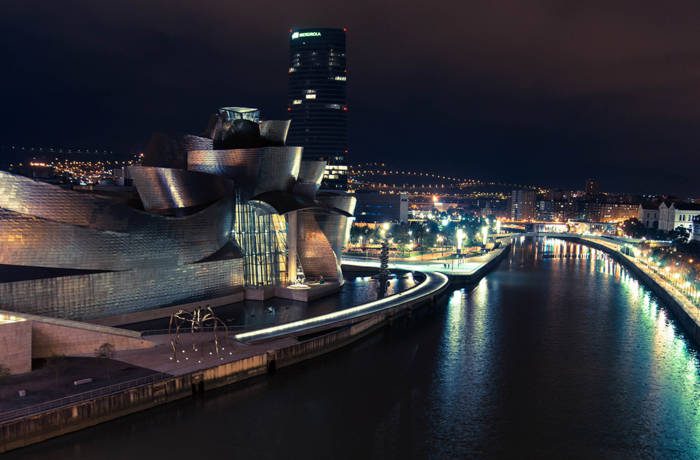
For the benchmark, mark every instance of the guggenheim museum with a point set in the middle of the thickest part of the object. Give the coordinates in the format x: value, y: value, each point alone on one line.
x: 235, y: 211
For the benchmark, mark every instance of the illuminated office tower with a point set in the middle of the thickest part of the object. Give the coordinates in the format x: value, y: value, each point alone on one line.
x: 317, y: 99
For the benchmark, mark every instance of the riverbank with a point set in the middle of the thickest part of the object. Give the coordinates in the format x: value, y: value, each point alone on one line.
x: 199, y: 364
x: 684, y: 311
x: 203, y: 362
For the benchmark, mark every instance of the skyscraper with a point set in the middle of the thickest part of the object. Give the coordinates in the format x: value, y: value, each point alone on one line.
x: 317, y: 99
x: 522, y: 205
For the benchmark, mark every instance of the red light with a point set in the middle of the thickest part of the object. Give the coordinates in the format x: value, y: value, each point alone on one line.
x: 345, y: 108
x: 289, y: 109
x: 345, y: 29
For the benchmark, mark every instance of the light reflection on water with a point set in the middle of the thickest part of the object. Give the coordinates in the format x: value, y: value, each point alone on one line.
x: 547, y: 357
x: 358, y: 289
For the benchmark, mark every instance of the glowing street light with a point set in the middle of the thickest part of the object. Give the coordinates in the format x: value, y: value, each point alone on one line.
x: 384, y: 228
x: 460, y: 239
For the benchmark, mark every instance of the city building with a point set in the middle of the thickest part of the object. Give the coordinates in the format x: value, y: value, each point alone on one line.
x: 617, y: 212
x: 381, y: 207
x: 317, y: 99
x: 557, y: 211
x: 649, y: 214
x: 696, y: 228
x: 243, y: 219
x: 592, y: 187
x: 522, y: 205
x: 674, y: 215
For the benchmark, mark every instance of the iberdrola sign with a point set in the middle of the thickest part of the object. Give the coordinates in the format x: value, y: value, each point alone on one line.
x: 296, y: 35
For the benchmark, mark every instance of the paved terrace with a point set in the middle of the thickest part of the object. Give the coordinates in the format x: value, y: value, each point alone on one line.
x: 195, y: 352
x: 247, y: 344
x: 434, y: 283
x: 466, y: 266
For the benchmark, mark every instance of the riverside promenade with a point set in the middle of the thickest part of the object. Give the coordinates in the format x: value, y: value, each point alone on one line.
x: 458, y: 269
x: 202, y: 361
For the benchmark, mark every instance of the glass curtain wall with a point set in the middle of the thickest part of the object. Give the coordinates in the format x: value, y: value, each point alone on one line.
x: 263, y: 240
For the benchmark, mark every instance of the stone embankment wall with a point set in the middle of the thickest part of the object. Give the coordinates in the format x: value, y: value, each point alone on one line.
x: 16, y: 346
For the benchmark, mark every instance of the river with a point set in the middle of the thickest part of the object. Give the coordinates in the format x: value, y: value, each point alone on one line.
x: 558, y: 353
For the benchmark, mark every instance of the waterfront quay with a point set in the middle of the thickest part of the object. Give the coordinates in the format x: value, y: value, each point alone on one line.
x: 203, y: 361
x: 464, y: 269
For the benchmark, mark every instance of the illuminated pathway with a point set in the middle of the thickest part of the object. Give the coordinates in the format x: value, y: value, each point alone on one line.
x: 245, y: 345
x: 433, y: 284
x: 464, y: 267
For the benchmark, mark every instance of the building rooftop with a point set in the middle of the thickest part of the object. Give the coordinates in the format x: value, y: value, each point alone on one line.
x: 687, y: 206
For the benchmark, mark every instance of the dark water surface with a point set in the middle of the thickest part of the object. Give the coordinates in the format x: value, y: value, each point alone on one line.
x: 359, y: 288
x: 559, y: 353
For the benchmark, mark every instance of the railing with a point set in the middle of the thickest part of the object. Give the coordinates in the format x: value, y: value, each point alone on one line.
x: 78, y: 397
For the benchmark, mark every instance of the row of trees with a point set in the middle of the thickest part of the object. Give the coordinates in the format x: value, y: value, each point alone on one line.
x: 430, y: 233
x: 636, y: 229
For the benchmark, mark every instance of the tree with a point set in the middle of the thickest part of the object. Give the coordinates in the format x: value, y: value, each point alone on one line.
x: 680, y: 235
x: 634, y: 228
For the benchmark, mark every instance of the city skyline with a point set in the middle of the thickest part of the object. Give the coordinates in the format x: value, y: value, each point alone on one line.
x: 349, y: 230
x: 616, y: 104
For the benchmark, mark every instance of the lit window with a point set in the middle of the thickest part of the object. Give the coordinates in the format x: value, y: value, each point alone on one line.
x: 296, y: 101
x: 340, y: 78
x: 311, y: 96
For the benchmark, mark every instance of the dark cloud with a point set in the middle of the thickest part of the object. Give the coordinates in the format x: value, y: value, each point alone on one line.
x: 529, y: 91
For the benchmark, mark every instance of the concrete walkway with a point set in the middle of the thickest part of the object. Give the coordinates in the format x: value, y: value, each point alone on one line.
x: 433, y: 283
x: 198, y: 351
x: 459, y: 267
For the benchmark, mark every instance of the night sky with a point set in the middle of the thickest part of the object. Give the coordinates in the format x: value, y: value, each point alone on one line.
x: 535, y: 92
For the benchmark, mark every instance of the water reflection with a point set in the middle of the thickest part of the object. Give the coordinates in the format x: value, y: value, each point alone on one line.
x: 358, y: 289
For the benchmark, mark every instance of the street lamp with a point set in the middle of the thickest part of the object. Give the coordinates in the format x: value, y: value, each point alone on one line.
x: 460, y: 239
x: 440, y: 239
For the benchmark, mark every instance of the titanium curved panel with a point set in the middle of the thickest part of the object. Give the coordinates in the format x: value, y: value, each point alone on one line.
x: 32, y: 198
x: 312, y: 171
x: 315, y: 252
x: 95, y: 295
x: 275, y: 131
x: 191, y: 142
x: 165, y: 188
x: 26, y: 196
x: 344, y: 203
x: 336, y: 226
x: 254, y: 171
x: 310, y: 177
x: 31, y: 240
x: 284, y: 202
